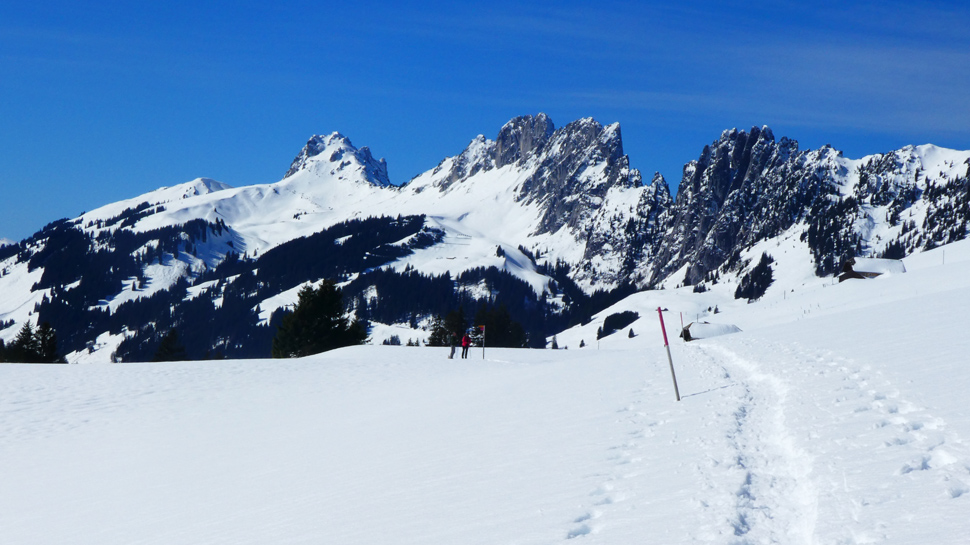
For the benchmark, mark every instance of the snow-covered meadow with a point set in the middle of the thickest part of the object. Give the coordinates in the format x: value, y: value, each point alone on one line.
x: 838, y: 415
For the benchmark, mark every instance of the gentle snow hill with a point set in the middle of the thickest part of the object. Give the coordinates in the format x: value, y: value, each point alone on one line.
x: 165, y: 196
x: 837, y: 416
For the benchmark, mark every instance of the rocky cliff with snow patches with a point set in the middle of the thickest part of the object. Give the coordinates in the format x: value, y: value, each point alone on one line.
x: 550, y: 223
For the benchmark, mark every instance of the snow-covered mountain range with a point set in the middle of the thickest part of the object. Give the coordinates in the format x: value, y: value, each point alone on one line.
x: 553, y: 222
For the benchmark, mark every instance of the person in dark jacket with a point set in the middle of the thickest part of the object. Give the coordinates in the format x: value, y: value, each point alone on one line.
x: 466, y: 341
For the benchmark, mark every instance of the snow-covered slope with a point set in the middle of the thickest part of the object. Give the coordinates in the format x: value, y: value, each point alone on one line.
x: 838, y: 415
x: 330, y: 181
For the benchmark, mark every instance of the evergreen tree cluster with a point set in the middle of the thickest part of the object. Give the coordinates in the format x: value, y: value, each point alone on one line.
x: 448, y: 330
x: 494, y: 326
x: 403, y: 296
x: 83, y: 271
x: 170, y: 349
x: 223, y: 319
x: 894, y: 250
x: 32, y: 346
x: 317, y: 324
x: 755, y: 283
x: 615, y: 322
x: 947, y: 218
x: 830, y: 235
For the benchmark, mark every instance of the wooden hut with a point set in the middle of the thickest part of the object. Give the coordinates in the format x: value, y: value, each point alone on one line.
x: 870, y: 267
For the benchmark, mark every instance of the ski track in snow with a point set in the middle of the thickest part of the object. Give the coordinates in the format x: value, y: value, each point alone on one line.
x: 772, y: 500
x: 780, y: 475
x: 833, y: 467
x: 624, y: 465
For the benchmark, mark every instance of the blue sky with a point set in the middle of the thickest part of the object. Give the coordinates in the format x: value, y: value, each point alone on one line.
x: 103, y: 101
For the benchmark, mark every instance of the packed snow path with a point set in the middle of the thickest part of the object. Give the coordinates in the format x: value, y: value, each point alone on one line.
x: 826, y: 450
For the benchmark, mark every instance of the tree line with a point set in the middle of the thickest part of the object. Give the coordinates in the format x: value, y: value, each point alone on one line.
x: 32, y: 346
x: 214, y: 312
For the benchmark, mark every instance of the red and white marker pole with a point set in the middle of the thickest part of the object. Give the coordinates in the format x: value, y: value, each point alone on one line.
x: 483, y: 341
x: 669, y: 358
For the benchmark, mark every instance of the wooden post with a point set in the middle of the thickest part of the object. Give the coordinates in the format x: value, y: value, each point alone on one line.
x: 669, y: 358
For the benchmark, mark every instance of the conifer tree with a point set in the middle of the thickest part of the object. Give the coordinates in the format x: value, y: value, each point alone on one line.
x: 24, y: 348
x: 455, y: 322
x: 500, y: 329
x: 754, y: 284
x: 317, y: 324
x: 439, y: 333
x: 170, y: 348
x: 32, y: 346
x: 47, y: 344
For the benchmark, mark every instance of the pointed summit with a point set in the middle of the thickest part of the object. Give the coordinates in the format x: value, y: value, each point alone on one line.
x: 522, y: 137
x: 335, y: 152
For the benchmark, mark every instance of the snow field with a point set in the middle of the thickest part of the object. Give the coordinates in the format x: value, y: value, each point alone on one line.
x: 337, y: 447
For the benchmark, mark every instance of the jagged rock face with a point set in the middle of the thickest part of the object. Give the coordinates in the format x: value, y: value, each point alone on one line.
x: 580, y: 182
x: 634, y: 237
x: 716, y: 198
x: 521, y: 138
x: 567, y: 171
x: 579, y: 164
x: 573, y: 174
x: 745, y: 187
x: 477, y: 157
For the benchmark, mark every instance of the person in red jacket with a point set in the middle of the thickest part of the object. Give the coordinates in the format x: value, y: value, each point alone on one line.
x: 466, y: 341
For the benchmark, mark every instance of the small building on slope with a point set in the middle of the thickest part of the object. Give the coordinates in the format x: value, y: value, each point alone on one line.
x: 870, y: 267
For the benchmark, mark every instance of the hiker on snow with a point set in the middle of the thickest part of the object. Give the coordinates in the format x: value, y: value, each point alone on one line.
x: 466, y: 341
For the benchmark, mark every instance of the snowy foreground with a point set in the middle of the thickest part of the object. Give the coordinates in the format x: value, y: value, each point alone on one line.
x: 839, y: 415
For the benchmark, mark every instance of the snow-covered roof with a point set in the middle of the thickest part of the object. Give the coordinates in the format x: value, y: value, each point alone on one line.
x: 878, y: 266
x: 706, y: 330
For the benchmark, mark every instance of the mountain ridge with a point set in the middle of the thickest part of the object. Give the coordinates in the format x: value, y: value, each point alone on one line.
x: 557, y: 212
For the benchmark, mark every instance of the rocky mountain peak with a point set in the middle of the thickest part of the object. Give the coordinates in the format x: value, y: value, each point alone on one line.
x: 724, y: 165
x: 721, y: 193
x: 659, y: 189
x: 521, y: 138
x: 336, y: 153
x: 573, y: 171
